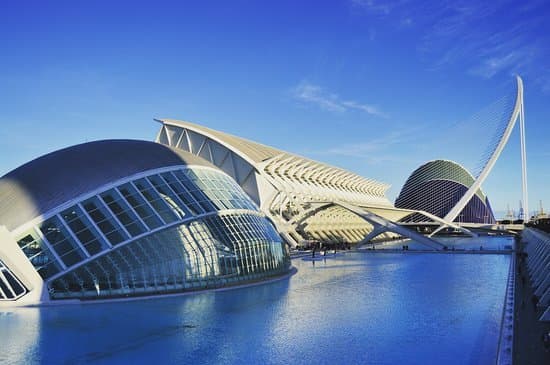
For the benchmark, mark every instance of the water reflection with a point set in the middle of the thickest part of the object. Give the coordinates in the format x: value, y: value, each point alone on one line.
x: 19, y: 334
x: 353, y: 308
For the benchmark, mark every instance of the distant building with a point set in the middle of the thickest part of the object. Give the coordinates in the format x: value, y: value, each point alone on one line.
x: 436, y: 187
x: 118, y: 218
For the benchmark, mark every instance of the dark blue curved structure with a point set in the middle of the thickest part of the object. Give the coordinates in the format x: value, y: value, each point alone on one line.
x: 436, y: 187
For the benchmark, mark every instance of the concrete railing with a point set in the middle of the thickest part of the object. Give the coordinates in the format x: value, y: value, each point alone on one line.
x: 506, y: 338
x: 537, y: 247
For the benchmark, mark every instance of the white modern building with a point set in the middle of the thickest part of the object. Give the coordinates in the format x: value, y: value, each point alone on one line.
x: 295, y: 192
x: 123, y: 218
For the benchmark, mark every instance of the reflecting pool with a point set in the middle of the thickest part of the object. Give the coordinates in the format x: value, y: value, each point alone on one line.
x: 485, y: 243
x: 376, y: 308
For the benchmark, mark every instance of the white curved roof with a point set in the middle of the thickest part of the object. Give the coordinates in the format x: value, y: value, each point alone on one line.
x: 290, y: 167
x: 253, y: 151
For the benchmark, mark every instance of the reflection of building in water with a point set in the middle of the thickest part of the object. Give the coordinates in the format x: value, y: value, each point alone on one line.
x: 20, y: 332
x: 125, y: 218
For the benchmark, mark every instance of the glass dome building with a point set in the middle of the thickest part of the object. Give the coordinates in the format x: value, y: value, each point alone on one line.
x: 120, y: 218
x: 436, y: 187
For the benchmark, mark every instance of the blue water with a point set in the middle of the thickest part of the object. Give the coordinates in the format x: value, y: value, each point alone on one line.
x: 376, y: 308
x: 487, y: 243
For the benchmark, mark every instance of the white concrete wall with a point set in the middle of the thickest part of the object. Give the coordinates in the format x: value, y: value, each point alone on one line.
x: 21, y: 267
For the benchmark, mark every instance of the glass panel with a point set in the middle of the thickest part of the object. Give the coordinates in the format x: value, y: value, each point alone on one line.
x: 4, y: 289
x: 195, y: 191
x: 39, y: 255
x: 156, y: 201
x: 61, y: 241
x: 151, y: 264
x: 220, y: 189
x: 140, y: 206
x: 83, y: 230
x: 203, y: 253
x: 173, y: 201
x: 182, y: 193
x: 206, y: 185
x: 120, y: 208
x: 205, y: 243
x: 14, y: 284
x: 104, y: 220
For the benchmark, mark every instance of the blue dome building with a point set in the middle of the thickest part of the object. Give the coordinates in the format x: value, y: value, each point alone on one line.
x: 436, y: 187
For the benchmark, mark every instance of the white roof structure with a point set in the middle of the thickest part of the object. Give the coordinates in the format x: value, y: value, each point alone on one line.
x: 287, y: 187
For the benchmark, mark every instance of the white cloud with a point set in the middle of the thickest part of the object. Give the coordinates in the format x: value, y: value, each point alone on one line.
x: 495, y: 64
x: 487, y: 39
x: 388, y: 148
x: 382, y: 7
x: 314, y: 94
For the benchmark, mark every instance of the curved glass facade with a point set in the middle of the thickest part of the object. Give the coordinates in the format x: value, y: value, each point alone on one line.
x: 438, y: 197
x: 171, y: 230
x: 436, y: 187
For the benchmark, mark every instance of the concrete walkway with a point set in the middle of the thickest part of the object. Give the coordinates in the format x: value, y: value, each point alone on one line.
x: 529, y: 347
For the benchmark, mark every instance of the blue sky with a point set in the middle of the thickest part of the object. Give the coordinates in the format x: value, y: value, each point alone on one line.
x: 359, y: 84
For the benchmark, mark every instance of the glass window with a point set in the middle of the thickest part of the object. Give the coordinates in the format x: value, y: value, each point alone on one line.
x: 190, y: 255
x: 222, y: 189
x: 140, y: 206
x: 182, y: 193
x: 203, y: 182
x: 104, y: 221
x: 83, y: 230
x: 194, y: 190
x: 173, y: 201
x: 118, y: 206
x: 204, y: 242
x: 61, y: 241
x: 156, y: 201
x: 39, y: 255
